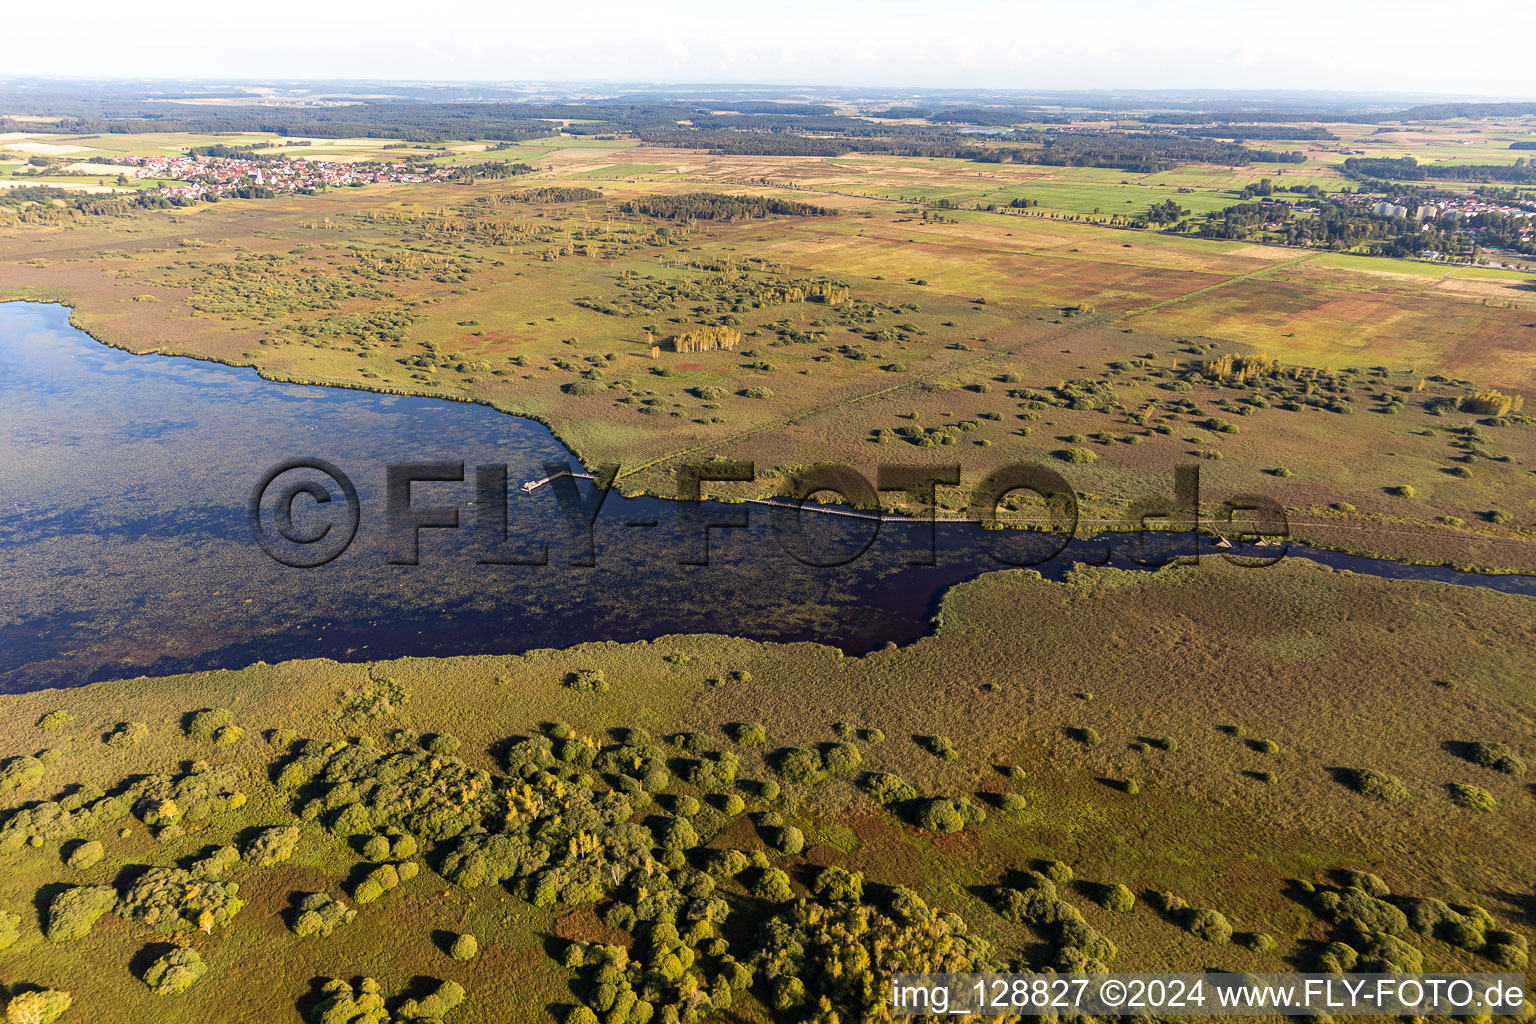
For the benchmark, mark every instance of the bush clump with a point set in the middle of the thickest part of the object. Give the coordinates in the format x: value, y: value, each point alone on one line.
x: 55, y: 720
x: 1497, y: 756
x: 841, y: 758
x: 839, y: 885
x: 272, y: 846
x: 214, y: 725
x: 464, y: 948
x: 319, y: 914
x: 750, y: 734
x: 946, y: 816
x: 74, y: 912
x: 773, y: 886
x: 1389, y: 789
x: 43, y: 1006
x: 587, y: 680
x: 1356, y: 910
x: 175, y: 972
x: 1473, y: 798
x: 20, y: 773
x: 788, y: 840
x: 887, y: 789
x: 1117, y: 898
x: 1210, y: 925
x: 86, y: 855
x: 801, y: 765
x: 127, y: 735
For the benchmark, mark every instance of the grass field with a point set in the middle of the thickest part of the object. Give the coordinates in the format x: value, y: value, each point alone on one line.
x: 512, y: 304
x: 1218, y: 770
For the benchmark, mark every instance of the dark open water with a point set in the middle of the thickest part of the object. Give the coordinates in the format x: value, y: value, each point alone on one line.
x: 126, y: 548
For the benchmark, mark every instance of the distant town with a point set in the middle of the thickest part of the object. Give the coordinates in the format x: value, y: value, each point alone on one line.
x: 204, y: 177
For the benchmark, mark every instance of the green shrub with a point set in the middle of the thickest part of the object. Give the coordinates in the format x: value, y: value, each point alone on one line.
x: 10, y: 929
x: 444, y: 744
x: 272, y: 846
x: 1513, y: 954
x: 19, y: 773
x: 1210, y: 925
x: 178, y: 899
x: 55, y: 720
x: 1357, y: 910
x: 773, y: 886
x: 1117, y: 898
x: 204, y: 726
x: 86, y: 854
x: 1089, y: 737
x: 1404, y: 491
x: 1266, y: 747
x: 73, y: 912
x: 943, y: 746
x: 42, y: 1006
x: 886, y: 788
x: 1473, y: 798
x: 587, y: 680
x: 750, y: 734
x: 841, y: 758
x: 433, y: 1007
x: 376, y: 849
x: 1076, y: 456
x: 1259, y: 942
x: 174, y: 973
x: 839, y: 885
x: 789, y: 840
x: 678, y: 834
x: 1367, y: 882
x: 1167, y: 743
x: 127, y: 735
x: 768, y: 790
x: 1012, y: 803
x: 946, y: 816
x: 725, y: 863
x: 1337, y: 958
x: 802, y: 766
x: 1380, y: 786
x: 464, y: 948
x: 319, y: 914
x: 1497, y: 756
x: 1057, y: 872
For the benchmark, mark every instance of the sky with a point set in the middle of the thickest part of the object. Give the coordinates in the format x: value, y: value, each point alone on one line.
x: 1475, y: 47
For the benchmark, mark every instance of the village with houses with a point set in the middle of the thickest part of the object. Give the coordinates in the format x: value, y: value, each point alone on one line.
x: 204, y: 177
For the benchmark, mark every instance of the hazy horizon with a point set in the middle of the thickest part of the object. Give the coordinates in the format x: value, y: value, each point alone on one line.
x: 1412, y: 47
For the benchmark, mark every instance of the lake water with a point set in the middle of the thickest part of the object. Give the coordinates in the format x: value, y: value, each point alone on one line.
x: 126, y: 547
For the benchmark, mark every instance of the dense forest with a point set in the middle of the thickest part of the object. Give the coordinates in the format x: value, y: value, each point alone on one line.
x: 1408, y: 169
x: 1259, y: 133
x: 718, y: 206
x: 1140, y: 153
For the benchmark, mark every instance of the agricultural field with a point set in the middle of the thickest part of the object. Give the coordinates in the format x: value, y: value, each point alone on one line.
x: 1257, y: 797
